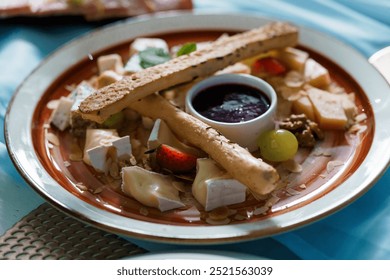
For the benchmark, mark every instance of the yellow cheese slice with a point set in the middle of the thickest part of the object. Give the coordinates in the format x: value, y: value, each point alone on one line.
x: 303, y: 105
x: 328, y: 109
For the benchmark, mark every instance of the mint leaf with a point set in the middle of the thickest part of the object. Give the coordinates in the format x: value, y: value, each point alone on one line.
x: 153, y: 56
x: 186, y: 49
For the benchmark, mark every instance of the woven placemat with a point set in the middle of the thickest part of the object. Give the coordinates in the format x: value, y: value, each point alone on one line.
x: 47, y: 233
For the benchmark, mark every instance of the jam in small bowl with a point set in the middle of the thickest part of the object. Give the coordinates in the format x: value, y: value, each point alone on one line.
x: 239, y: 106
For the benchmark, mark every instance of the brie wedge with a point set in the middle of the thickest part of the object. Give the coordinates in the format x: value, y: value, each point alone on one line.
x: 101, y: 144
x: 213, y: 187
x: 150, y: 188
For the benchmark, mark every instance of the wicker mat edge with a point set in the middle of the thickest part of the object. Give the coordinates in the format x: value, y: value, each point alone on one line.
x: 46, y: 233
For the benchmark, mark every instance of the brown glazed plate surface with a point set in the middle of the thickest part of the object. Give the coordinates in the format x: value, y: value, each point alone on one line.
x: 364, y: 158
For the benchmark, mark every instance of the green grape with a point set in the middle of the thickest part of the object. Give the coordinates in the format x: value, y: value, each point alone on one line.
x: 114, y: 120
x: 277, y: 145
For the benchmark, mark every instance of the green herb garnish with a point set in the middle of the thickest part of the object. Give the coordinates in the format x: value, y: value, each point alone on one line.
x: 186, y: 49
x: 153, y: 56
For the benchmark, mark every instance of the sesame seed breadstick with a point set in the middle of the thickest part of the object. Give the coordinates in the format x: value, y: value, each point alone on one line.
x: 220, y: 54
x: 257, y: 175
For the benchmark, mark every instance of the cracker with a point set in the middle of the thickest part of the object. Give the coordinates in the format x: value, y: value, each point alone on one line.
x: 218, y: 55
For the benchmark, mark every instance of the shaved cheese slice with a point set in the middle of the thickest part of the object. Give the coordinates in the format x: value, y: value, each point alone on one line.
x: 303, y: 106
x: 328, y: 109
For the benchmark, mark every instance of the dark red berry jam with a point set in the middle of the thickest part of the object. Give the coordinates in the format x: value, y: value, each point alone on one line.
x: 231, y: 103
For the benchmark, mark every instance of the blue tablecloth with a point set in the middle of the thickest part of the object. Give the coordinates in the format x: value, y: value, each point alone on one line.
x: 359, y: 231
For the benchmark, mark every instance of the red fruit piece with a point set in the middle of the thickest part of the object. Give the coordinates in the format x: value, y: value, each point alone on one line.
x: 269, y: 65
x: 175, y: 160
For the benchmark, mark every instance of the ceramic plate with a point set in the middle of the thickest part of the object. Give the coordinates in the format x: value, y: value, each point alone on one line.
x: 195, y: 255
x: 326, y: 190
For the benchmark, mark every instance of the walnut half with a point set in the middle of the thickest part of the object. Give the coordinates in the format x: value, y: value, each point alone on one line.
x: 306, y: 130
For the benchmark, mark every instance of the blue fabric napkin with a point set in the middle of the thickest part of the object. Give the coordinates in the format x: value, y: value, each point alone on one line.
x: 359, y: 231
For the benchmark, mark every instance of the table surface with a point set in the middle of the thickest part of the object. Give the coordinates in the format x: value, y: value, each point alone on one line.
x: 359, y: 231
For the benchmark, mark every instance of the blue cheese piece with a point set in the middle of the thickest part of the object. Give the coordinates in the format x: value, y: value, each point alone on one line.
x: 213, y: 187
x: 150, y: 188
x: 104, y: 144
x: 60, y: 117
x: 82, y: 91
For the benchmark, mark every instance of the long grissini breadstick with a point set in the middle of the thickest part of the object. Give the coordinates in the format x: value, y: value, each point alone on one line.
x: 218, y: 55
x: 257, y: 175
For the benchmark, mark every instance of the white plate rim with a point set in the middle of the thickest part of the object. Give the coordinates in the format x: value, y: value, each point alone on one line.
x: 19, y: 141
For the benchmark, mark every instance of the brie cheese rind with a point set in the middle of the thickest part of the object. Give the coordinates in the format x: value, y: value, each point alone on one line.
x: 150, y: 188
x: 100, y: 144
x: 213, y: 187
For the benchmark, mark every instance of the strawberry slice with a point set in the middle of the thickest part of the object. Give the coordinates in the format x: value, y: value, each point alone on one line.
x: 269, y: 65
x: 175, y: 160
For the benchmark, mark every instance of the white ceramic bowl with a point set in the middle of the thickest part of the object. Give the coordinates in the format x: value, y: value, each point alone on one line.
x: 243, y: 133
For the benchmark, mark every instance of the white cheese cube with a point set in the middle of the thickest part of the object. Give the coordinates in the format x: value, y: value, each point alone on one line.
x: 111, y: 62
x: 213, y: 187
x: 60, y: 117
x: 316, y: 74
x: 122, y: 147
x: 162, y: 134
x: 294, y: 58
x: 98, y: 158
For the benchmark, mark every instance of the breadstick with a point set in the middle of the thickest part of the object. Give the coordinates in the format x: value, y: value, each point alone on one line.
x: 218, y: 55
x: 257, y: 175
